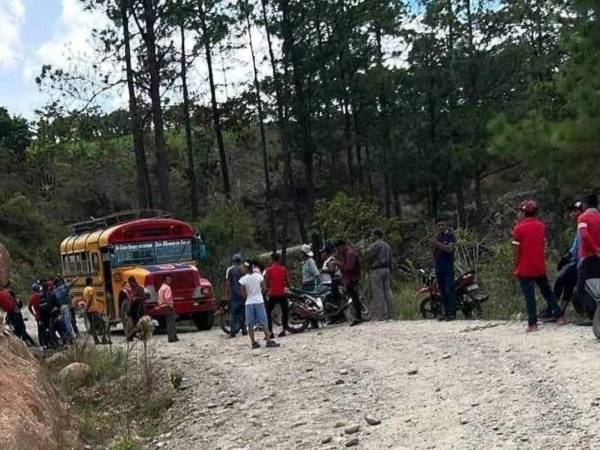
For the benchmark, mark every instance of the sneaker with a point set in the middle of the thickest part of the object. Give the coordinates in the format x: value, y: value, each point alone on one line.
x: 232, y: 336
x: 561, y: 321
x: 532, y: 328
x: 255, y: 345
x: 356, y: 322
x: 282, y: 334
x: 271, y: 344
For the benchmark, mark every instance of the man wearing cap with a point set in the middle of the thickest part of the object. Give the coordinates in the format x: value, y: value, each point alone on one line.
x: 233, y: 292
x: 529, y: 244
x: 379, y: 258
x: 310, y: 271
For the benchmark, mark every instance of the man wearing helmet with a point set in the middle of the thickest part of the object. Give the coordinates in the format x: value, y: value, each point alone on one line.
x: 529, y: 244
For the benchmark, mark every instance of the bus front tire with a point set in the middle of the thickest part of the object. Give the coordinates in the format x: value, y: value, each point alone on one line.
x: 204, y: 321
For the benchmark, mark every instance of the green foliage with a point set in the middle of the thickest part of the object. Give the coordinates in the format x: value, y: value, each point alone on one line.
x: 124, y: 443
x: 352, y: 218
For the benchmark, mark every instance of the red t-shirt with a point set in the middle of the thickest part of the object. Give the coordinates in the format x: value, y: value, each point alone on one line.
x: 7, y: 302
x: 276, y: 276
x: 530, y: 236
x: 34, y: 304
x: 588, y: 228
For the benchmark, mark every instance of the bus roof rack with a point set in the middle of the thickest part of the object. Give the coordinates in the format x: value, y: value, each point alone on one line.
x: 117, y: 218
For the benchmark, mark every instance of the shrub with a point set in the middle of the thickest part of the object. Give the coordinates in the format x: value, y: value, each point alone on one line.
x: 351, y: 218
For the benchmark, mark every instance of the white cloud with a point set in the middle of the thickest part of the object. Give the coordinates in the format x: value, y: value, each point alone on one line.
x: 70, y: 39
x: 12, y: 15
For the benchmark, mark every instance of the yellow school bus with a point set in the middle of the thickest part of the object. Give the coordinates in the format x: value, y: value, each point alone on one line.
x: 148, y: 245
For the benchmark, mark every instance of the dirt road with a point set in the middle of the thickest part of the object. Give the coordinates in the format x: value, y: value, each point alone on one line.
x: 467, y: 385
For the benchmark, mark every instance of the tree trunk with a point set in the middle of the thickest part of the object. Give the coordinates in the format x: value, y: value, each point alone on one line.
x: 143, y: 177
x: 188, y: 130
x: 300, y: 106
x: 460, y: 202
x: 162, y: 161
x: 263, y: 138
x: 288, y: 174
x: 215, y: 109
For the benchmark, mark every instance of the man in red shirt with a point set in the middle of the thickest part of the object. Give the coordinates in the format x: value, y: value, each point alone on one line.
x: 529, y: 244
x: 350, y: 268
x: 276, y: 278
x: 588, y: 235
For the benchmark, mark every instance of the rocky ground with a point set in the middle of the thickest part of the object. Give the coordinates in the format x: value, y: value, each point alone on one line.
x: 467, y: 385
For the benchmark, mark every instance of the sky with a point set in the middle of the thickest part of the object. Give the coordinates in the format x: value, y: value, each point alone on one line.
x: 33, y: 33
x: 38, y: 32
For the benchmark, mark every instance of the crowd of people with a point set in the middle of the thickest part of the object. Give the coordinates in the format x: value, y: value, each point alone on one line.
x: 53, y: 310
x: 254, y: 291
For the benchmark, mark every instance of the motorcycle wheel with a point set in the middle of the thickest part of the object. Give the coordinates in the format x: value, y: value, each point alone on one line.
x: 596, y: 323
x: 296, y: 323
x: 431, y: 307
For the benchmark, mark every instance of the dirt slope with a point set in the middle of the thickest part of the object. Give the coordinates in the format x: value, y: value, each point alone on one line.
x: 478, y: 385
x: 31, y: 416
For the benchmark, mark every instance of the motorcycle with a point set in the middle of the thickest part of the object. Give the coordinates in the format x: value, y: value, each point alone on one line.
x: 222, y: 316
x: 469, y: 295
x: 321, y: 306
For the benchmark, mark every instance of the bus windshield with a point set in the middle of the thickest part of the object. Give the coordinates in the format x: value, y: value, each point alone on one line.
x: 149, y: 253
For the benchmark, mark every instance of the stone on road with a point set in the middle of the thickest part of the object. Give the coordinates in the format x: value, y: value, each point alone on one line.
x: 418, y: 385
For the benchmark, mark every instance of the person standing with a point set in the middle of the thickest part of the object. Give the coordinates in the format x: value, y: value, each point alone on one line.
x: 566, y: 280
x: 165, y: 301
x: 588, y: 232
x: 61, y: 293
x: 10, y: 304
x: 95, y: 309
x: 529, y: 245
x: 276, y: 279
x: 233, y: 292
x: 251, y: 286
x: 310, y: 271
x: 135, y: 295
x: 379, y: 256
x: 34, y: 310
x: 349, y: 264
x: 443, y: 246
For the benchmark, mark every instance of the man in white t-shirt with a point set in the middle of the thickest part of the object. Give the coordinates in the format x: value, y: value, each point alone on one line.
x: 256, y: 314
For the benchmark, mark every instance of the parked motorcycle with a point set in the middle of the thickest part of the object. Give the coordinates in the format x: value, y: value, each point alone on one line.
x: 321, y: 305
x: 222, y: 315
x: 469, y: 295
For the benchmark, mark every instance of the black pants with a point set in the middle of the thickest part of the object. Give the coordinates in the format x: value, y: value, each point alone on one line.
x: 565, y: 283
x: 16, y: 319
x: 352, y: 290
x: 282, y: 301
x: 50, y: 338
x: 74, y: 321
x: 171, y: 321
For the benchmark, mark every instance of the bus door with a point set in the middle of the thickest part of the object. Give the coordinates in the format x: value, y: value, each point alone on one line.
x: 108, y: 285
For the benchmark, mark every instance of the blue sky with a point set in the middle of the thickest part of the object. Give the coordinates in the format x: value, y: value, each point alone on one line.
x: 34, y: 32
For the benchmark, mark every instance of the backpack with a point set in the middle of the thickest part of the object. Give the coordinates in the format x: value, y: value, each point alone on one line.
x: 46, y: 304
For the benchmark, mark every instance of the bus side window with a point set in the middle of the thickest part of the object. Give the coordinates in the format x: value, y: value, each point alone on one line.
x: 95, y: 264
x: 85, y: 268
x: 65, y: 265
x: 77, y: 257
x: 72, y: 264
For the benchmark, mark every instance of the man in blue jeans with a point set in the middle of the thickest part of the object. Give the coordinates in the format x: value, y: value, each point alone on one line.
x: 442, y: 247
x: 234, y: 294
x: 529, y: 245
